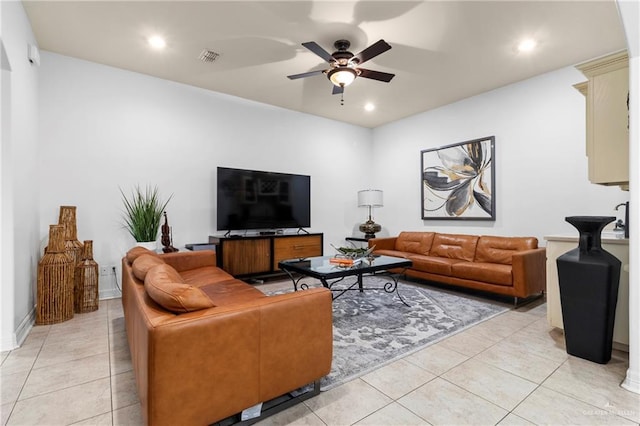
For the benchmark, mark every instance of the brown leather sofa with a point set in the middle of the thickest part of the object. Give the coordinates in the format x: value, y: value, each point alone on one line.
x: 512, y: 266
x: 205, y: 346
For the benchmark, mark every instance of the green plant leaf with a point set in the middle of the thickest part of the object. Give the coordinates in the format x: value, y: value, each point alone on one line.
x: 143, y: 212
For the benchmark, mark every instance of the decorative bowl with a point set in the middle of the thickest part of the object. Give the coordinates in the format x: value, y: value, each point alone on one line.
x: 353, y: 252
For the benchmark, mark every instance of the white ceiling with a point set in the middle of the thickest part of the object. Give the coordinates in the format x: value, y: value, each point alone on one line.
x: 442, y: 51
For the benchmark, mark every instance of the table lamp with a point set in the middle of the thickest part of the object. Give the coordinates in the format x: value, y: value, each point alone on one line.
x: 370, y: 198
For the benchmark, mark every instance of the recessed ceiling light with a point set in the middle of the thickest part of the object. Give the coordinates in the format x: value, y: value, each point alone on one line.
x: 157, y: 42
x: 527, y: 45
x: 369, y: 106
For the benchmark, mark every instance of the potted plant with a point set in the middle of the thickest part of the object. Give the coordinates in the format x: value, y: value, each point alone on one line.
x: 142, y: 215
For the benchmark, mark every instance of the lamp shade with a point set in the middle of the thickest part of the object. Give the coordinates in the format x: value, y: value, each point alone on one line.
x: 342, y: 76
x: 370, y: 198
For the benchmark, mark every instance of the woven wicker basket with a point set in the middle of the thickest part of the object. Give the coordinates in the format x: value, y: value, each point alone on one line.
x: 71, y: 243
x: 55, y: 281
x: 86, y: 281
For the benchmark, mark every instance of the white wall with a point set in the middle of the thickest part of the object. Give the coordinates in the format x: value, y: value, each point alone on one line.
x: 19, y: 213
x: 102, y: 128
x: 541, y: 167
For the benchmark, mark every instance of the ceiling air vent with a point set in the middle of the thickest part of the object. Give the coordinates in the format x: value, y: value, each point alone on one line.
x: 208, y: 55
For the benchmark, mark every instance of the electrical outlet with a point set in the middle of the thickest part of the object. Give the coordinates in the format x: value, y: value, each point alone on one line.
x: 105, y: 270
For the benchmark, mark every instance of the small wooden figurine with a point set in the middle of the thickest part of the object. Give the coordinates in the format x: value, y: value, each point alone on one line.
x: 166, y: 239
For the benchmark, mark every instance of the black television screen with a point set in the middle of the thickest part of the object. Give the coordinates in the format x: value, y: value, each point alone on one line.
x: 252, y: 199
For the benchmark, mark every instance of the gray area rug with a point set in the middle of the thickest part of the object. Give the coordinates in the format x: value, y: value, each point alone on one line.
x: 374, y: 328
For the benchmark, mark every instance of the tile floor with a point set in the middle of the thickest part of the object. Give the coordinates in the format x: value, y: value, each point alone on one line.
x: 509, y: 370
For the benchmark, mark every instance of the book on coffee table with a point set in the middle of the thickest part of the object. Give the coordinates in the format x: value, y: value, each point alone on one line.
x: 345, y: 261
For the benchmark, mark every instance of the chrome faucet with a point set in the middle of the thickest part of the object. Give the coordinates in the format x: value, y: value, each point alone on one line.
x: 626, y: 218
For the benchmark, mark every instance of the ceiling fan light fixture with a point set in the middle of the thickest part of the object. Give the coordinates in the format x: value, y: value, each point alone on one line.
x: 342, y: 76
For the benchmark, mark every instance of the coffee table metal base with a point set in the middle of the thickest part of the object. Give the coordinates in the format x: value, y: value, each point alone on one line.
x: 390, y: 286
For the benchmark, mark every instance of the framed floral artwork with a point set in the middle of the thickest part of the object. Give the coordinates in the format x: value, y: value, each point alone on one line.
x: 458, y: 181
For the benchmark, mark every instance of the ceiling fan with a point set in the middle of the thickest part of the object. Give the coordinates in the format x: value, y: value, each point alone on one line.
x: 345, y: 66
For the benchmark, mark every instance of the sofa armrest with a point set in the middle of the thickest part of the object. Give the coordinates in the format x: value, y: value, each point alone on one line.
x: 238, y: 355
x: 387, y: 243
x: 529, y: 272
x: 300, y: 322
x: 186, y: 261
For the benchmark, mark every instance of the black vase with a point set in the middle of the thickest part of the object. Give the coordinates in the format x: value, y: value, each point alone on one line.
x: 589, y: 278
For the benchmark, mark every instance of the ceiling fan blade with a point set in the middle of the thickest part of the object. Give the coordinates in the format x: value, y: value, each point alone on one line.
x: 376, y: 75
x: 337, y: 90
x: 304, y: 74
x: 372, y: 51
x: 315, y: 48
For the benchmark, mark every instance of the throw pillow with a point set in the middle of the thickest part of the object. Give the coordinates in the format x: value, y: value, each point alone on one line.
x: 165, y: 286
x: 137, y: 251
x: 143, y: 263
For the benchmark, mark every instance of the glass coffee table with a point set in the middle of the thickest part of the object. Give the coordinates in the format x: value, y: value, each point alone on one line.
x: 337, y: 278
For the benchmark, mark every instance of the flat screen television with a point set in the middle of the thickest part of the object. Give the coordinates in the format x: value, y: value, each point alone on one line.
x: 252, y: 199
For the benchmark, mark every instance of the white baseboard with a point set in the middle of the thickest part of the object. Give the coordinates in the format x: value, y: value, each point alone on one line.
x: 109, y: 293
x: 109, y: 287
x: 15, y: 339
x: 8, y: 342
x: 632, y: 382
x: 25, y: 326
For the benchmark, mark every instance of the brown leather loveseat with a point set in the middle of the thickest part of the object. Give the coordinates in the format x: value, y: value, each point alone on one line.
x: 205, y: 346
x: 512, y: 266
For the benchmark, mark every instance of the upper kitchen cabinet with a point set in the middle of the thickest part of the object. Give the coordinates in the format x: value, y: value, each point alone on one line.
x: 607, y: 93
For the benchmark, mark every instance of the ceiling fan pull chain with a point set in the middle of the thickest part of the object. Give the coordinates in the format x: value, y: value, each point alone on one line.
x: 342, y: 97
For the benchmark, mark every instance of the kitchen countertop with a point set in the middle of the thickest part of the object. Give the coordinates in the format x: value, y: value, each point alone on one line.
x: 606, y: 239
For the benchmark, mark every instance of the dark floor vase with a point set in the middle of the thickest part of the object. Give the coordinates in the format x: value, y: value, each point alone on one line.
x: 589, y: 278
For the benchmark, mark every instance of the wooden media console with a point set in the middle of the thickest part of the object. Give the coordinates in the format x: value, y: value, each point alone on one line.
x: 260, y: 254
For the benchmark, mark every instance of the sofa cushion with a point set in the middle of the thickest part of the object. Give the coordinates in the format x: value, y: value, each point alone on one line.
x: 143, y: 263
x: 415, y: 242
x: 486, y: 272
x: 231, y: 291
x: 165, y: 286
x: 393, y: 253
x: 501, y: 249
x: 137, y: 251
x: 204, y: 276
x: 432, y: 264
x: 454, y: 246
